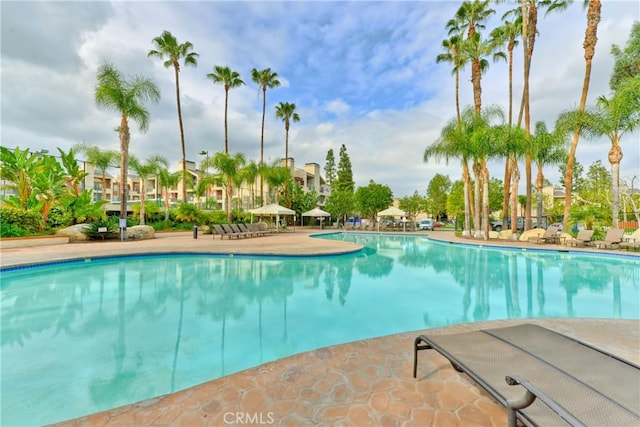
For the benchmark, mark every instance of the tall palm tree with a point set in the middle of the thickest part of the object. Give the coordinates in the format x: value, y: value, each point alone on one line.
x: 287, y: 112
x: 528, y: 12
x: 229, y: 79
x: 451, y: 47
x: 611, y: 117
x: 546, y: 149
x: 151, y: 167
x: 228, y: 167
x: 266, y: 79
x: 166, y: 46
x: 590, y: 39
x: 126, y: 97
x: 101, y: 160
x: 508, y: 34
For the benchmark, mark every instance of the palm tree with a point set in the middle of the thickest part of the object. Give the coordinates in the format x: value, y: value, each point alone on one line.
x: 546, y: 149
x: 265, y: 79
x: 287, y: 112
x: 528, y: 13
x: 151, y: 167
x: 229, y: 79
x: 250, y: 173
x: 590, y: 39
x: 125, y: 96
x: 167, y: 180
x: 277, y: 177
x: 452, y: 55
x: 611, y: 117
x: 228, y: 168
x: 167, y: 46
x: 101, y: 160
x: 508, y: 34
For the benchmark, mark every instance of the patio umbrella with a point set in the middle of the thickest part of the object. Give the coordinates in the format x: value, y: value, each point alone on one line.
x: 393, y: 211
x: 273, y: 209
x: 317, y: 213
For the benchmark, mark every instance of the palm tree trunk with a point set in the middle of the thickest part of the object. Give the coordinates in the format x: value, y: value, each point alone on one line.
x: 124, y: 164
x: 226, y: 103
x: 539, y: 184
x: 486, y: 225
x: 590, y: 40
x: 466, y: 186
x: 142, y: 199
x: 264, y: 106
x: 477, y: 172
x: 505, y: 192
x: 515, y: 178
x: 184, y: 154
x: 615, y: 156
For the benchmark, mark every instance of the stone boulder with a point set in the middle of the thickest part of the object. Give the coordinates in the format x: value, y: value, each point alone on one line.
x: 536, y: 232
x: 140, y: 232
x: 75, y: 233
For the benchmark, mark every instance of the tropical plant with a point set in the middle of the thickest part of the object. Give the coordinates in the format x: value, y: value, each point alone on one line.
x: 75, y: 175
x: 96, y: 229
x: 125, y: 96
x: 166, y: 46
x: 101, y: 160
x: 626, y: 61
x: 18, y: 168
x: 266, y: 79
x: 188, y: 213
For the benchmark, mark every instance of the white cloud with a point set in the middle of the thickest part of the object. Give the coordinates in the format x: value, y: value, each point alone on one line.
x: 361, y: 74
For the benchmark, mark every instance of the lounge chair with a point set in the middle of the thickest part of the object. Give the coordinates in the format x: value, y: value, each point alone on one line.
x: 631, y: 244
x: 231, y: 231
x: 563, y: 380
x: 222, y: 233
x: 252, y: 233
x: 611, y: 239
x: 550, y: 236
x: 582, y: 239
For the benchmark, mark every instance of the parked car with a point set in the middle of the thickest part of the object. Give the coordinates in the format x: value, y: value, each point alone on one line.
x: 426, y: 224
x: 497, y: 225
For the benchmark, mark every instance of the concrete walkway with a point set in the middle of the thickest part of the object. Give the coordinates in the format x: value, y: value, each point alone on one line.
x: 364, y: 383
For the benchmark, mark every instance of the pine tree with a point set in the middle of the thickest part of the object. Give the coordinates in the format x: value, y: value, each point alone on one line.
x: 344, y: 182
x: 330, y: 167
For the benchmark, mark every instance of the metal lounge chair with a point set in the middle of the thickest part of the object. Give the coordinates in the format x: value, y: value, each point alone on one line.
x: 236, y: 229
x: 222, y: 232
x: 230, y: 231
x: 582, y: 239
x: 562, y: 381
x: 550, y: 235
x: 252, y: 233
x: 611, y: 239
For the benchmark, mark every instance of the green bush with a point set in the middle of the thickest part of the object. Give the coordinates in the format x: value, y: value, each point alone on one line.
x: 59, y: 217
x: 11, y: 230
x: 111, y: 224
x: 13, y: 219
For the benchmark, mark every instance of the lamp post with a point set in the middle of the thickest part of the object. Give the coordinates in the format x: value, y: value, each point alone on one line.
x: 206, y: 172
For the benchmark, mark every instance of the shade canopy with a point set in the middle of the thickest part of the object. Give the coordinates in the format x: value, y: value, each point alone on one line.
x: 316, y: 212
x: 392, y: 211
x: 272, y: 209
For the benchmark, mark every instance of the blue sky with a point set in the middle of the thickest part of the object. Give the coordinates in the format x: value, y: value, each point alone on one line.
x: 361, y: 74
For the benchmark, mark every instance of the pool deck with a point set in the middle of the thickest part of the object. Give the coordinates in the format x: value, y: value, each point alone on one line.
x: 364, y: 383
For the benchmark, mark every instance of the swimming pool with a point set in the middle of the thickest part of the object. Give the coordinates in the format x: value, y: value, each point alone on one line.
x: 81, y: 337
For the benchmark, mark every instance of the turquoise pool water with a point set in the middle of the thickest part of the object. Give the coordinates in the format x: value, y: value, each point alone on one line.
x: 82, y: 337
